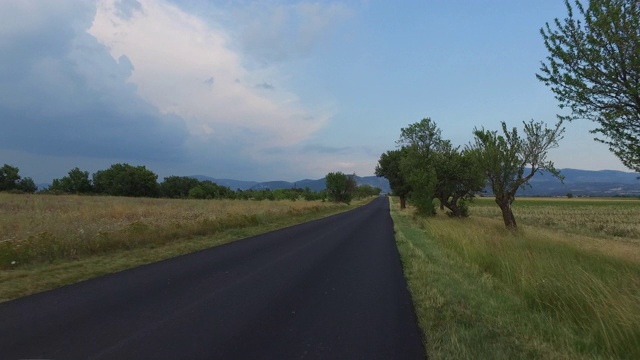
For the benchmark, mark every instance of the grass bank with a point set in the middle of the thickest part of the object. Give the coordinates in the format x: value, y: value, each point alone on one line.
x: 483, y: 292
x: 50, y: 241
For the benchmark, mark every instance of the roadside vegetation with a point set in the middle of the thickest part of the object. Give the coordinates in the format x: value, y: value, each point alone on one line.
x: 544, y: 291
x: 48, y: 241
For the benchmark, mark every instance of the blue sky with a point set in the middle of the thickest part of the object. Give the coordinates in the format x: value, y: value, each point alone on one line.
x: 266, y: 90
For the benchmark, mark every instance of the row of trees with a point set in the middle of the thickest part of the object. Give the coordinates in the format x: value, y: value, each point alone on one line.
x: 427, y: 167
x: 138, y: 181
x: 593, y: 68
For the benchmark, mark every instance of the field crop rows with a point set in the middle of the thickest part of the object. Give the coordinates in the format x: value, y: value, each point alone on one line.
x: 601, y: 217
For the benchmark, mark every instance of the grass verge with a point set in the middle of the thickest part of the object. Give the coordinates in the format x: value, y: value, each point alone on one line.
x: 483, y: 292
x: 54, y: 260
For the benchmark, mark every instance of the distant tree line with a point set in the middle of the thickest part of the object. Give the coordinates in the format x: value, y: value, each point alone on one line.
x: 138, y: 181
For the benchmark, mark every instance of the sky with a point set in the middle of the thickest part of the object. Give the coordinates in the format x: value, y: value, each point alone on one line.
x: 266, y: 90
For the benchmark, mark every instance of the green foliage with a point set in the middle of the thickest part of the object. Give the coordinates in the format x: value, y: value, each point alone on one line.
x: 10, y: 180
x: 420, y: 141
x: 458, y: 178
x: 27, y: 185
x: 9, y: 177
x: 364, y: 191
x: 509, y: 161
x: 209, y: 190
x: 421, y: 176
x: 177, y: 187
x: 389, y: 166
x: 593, y: 68
x: 76, y: 182
x: 340, y: 187
x: 126, y: 180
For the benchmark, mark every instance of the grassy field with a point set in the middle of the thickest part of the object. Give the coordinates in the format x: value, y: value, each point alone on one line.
x: 562, y: 287
x: 48, y: 241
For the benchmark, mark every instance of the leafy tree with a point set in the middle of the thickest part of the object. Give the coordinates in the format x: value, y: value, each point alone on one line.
x: 458, y: 178
x: 9, y: 177
x: 177, y: 187
x: 340, y: 187
x: 593, y: 68
x: 420, y: 141
x: 210, y: 190
x: 389, y: 167
x: 365, y: 191
x: 126, y: 180
x: 509, y: 161
x: 27, y: 185
x: 76, y: 182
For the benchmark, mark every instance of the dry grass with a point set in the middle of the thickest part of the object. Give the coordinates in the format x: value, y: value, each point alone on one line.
x: 601, y: 217
x: 41, y: 228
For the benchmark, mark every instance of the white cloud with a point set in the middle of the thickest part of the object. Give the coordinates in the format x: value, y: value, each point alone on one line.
x: 183, y: 65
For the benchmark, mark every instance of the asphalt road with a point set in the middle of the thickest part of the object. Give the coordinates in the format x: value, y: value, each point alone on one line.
x: 328, y: 289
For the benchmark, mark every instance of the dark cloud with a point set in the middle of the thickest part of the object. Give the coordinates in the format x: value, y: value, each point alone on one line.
x: 65, y: 95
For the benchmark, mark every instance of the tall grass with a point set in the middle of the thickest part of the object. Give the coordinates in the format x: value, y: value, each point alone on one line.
x: 41, y: 228
x: 557, y: 298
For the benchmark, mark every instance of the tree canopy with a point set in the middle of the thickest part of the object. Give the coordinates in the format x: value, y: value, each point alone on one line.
x: 389, y: 167
x: 10, y: 180
x: 340, y: 187
x: 509, y: 161
x: 593, y: 68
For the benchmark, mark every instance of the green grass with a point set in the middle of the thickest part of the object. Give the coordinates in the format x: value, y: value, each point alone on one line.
x: 50, y: 241
x: 483, y: 292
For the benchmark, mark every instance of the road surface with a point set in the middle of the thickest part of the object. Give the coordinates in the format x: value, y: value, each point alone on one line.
x: 328, y: 289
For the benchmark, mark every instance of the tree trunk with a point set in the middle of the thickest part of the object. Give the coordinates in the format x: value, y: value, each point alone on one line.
x: 403, y: 202
x: 507, y: 215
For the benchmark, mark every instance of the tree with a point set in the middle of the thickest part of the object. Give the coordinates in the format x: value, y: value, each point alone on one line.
x: 340, y: 187
x: 420, y: 141
x: 27, y: 185
x: 509, y: 161
x: 126, y: 180
x: 458, y: 178
x: 389, y: 167
x: 9, y: 177
x: 593, y: 68
x: 76, y: 182
x: 177, y: 187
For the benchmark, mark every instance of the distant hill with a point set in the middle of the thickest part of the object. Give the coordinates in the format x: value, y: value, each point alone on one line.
x: 577, y: 182
x: 314, y: 185
x: 585, y: 183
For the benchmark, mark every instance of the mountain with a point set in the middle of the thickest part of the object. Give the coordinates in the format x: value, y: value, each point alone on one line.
x: 584, y: 183
x: 577, y: 182
x: 314, y: 185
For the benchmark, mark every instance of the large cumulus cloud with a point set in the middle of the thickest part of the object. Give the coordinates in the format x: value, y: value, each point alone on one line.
x: 62, y: 93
